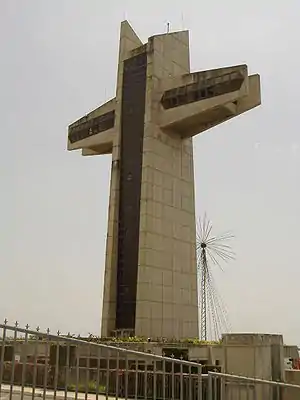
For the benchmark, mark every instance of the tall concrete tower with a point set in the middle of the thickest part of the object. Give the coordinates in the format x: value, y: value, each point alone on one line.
x: 150, y: 286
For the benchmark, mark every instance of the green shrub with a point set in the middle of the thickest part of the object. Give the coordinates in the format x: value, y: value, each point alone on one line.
x: 91, y: 387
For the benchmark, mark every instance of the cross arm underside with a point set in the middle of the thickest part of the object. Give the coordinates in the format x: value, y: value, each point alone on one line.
x: 208, y: 98
x: 94, y: 133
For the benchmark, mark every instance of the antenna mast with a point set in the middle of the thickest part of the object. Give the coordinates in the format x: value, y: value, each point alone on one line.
x: 211, y: 250
x: 203, y: 321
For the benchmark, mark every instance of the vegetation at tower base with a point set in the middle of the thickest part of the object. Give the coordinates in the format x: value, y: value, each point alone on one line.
x: 130, y: 339
x: 139, y: 339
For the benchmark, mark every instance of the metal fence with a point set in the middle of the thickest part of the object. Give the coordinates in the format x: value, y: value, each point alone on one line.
x: 34, y: 365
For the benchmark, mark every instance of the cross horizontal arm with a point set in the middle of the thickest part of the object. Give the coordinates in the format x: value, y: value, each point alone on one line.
x: 208, y: 98
x: 94, y: 133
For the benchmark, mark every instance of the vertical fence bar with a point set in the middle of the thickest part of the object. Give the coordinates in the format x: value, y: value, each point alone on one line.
x: 190, y: 383
x: 181, y: 381
x: 98, y: 372
x: 35, y: 356
x: 146, y: 380
x: 248, y: 391
x: 164, y: 379
x: 209, y: 387
x: 126, y: 376
x: 215, y: 387
x: 278, y: 397
x: 173, y: 380
x: 284, y: 393
x: 136, y: 381
x: 87, y: 374
x: 117, y: 374
x: 107, y: 389
x: 199, y: 382
x: 77, y: 373
x: 2, y: 351
x: 46, y: 366
x: 235, y: 389
x: 154, y: 380
x: 12, y: 376
x: 267, y: 390
x: 67, y: 367
x: 254, y: 392
x: 24, y: 363
x: 56, y: 368
x: 223, y: 388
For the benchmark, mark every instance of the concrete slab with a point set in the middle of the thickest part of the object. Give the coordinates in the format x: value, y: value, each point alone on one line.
x: 17, y: 391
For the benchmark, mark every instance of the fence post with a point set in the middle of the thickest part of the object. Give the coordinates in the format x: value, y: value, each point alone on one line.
x: 210, y: 386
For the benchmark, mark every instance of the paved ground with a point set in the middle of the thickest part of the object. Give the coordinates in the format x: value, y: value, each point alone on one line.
x: 17, y: 397
x: 5, y: 394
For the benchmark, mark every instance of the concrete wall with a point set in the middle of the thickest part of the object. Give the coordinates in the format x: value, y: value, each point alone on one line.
x: 292, y: 377
x: 254, y: 356
x: 291, y: 352
x: 29, y: 349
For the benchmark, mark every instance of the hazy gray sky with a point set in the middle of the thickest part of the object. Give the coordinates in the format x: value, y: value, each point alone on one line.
x: 57, y: 62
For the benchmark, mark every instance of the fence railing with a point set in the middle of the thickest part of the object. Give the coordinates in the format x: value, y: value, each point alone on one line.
x: 241, y: 388
x: 33, y: 363
x: 40, y: 364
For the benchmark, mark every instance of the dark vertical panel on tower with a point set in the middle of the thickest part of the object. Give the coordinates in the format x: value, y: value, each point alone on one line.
x: 132, y: 134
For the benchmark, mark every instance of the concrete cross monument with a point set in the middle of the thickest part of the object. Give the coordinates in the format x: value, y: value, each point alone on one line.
x: 150, y: 281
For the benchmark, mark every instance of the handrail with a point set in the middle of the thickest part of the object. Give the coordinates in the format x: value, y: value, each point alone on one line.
x: 253, y: 380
